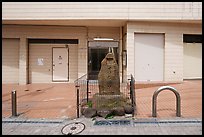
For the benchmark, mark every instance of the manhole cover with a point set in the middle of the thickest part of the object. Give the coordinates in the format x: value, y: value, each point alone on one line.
x: 73, y: 128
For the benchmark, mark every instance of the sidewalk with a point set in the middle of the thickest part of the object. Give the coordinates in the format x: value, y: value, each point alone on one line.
x: 46, y: 108
x: 40, y: 100
x: 59, y: 101
x: 176, y: 126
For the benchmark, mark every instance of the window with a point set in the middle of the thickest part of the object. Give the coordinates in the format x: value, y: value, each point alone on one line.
x: 54, y: 41
x: 192, y: 38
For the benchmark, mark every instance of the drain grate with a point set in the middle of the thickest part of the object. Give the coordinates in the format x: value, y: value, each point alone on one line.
x: 73, y: 128
x: 128, y: 122
x: 112, y: 122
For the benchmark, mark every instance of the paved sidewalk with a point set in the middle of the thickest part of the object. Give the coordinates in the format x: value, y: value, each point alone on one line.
x: 44, y: 109
x: 58, y: 100
x: 176, y: 126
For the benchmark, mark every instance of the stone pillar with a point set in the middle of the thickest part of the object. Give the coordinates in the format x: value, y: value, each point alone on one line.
x: 108, y: 77
x: 82, y: 57
x: 23, y: 61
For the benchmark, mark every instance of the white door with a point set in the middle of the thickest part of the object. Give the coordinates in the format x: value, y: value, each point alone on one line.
x: 192, y: 60
x: 60, y: 64
x: 149, y: 57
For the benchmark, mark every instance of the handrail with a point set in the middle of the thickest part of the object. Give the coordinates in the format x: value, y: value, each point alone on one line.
x: 85, y: 75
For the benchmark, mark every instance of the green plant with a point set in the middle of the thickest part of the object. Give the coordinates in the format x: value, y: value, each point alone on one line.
x: 109, y: 116
x: 89, y: 103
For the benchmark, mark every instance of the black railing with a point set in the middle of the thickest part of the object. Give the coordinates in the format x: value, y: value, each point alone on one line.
x: 87, y: 89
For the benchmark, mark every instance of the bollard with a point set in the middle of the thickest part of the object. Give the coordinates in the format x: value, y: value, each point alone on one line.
x: 178, y: 100
x: 77, y: 102
x: 13, y: 103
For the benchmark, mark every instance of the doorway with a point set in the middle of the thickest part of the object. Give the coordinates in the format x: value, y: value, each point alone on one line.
x: 60, y: 64
x: 95, y: 58
x: 97, y: 52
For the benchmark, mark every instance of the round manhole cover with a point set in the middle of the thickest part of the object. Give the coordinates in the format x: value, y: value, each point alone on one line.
x: 73, y: 128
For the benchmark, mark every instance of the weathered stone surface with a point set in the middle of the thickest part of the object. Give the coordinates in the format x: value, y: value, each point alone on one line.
x: 83, y: 108
x: 128, y: 109
x: 108, y: 77
x: 84, y: 102
x: 104, y: 112
x: 89, y: 112
x: 118, y: 111
x: 107, y: 101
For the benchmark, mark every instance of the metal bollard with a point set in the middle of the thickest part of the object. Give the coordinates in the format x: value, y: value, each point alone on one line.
x: 13, y: 103
x: 154, y: 100
x: 77, y: 101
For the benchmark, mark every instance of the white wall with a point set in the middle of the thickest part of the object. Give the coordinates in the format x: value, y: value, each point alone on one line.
x: 102, y: 10
x: 173, y: 49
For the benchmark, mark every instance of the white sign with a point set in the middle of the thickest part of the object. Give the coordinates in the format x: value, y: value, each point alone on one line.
x: 40, y: 62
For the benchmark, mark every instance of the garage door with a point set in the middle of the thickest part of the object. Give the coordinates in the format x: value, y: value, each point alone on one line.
x: 149, y: 57
x: 192, y: 60
x: 40, y: 63
x: 10, y: 61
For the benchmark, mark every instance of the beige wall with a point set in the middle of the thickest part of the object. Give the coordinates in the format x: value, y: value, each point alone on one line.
x: 43, y: 73
x: 102, y: 10
x: 124, y: 49
x: 10, y: 60
x: 192, y: 60
x: 103, y: 32
x: 173, y: 51
x: 78, y: 53
x: 48, y: 32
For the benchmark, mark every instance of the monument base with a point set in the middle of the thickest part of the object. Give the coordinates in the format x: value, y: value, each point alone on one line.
x: 109, y: 101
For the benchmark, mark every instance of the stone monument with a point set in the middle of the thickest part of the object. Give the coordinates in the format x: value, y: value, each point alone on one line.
x: 109, y: 100
x: 108, y: 77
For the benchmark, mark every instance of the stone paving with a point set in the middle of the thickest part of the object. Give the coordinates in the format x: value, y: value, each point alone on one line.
x: 176, y: 126
x: 57, y: 102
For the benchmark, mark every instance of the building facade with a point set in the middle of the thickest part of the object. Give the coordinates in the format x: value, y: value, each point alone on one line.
x: 49, y: 42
